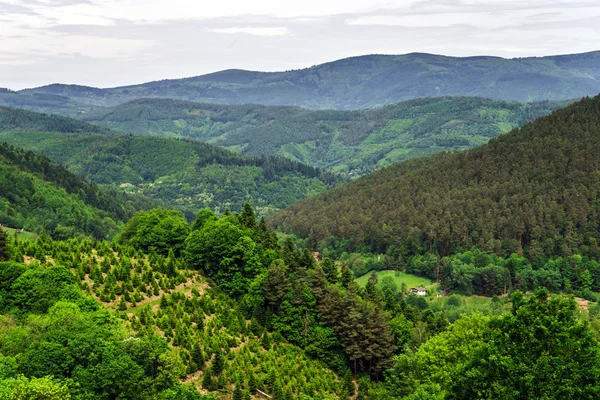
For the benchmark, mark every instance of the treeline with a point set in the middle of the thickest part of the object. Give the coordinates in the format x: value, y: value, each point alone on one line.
x: 19, y: 120
x: 532, y: 191
x: 477, y: 272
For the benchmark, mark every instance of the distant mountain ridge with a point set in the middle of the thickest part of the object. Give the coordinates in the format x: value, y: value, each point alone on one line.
x: 366, y: 81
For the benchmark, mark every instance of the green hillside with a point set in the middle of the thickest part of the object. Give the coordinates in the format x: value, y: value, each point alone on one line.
x: 182, y: 174
x: 37, y: 195
x: 20, y: 120
x: 533, y: 191
x: 367, y: 81
x: 351, y: 142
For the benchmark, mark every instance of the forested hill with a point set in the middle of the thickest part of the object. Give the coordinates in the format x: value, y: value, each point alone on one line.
x: 36, y: 194
x: 534, y: 190
x: 350, y: 142
x: 182, y: 174
x: 19, y: 120
x: 368, y: 81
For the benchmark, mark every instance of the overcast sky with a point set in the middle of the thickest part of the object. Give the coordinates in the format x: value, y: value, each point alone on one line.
x: 107, y: 43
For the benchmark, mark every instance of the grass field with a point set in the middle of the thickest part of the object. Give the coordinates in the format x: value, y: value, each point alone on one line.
x: 398, y: 277
x: 10, y: 232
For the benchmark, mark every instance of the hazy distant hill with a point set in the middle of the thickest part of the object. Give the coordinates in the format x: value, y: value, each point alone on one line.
x: 346, y: 141
x: 368, y: 81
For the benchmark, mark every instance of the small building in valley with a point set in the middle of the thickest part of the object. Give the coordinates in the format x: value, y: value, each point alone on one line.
x: 420, y: 291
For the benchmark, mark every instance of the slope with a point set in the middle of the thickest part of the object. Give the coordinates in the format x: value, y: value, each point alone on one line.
x: 368, y: 81
x: 534, y: 190
x: 184, y: 175
x: 20, y: 120
x: 36, y: 195
x: 352, y: 142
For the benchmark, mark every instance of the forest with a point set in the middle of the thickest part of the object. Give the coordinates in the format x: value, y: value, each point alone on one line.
x: 220, y: 308
x: 160, y: 268
x: 352, y: 142
x: 533, y: 192
x: 182, y: 174
x: 38, y: 195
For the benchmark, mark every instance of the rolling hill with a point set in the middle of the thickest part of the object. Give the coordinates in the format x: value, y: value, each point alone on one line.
x: 365, y: 81
x: 182, y: 174
x: 533, y: 191
x: 36, y: 194
x: 351, y: 142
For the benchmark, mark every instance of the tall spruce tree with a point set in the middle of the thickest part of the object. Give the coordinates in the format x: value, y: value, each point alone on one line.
x: 4, y: 253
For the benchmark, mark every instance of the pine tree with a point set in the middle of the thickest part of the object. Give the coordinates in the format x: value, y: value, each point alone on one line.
x: 371, y: 288
x: 347, y: 276
x: 266, y: 341
x: 197, y: 356
x: 277, y: 284
x: 4, y: 253
x: 349, y: 384
x: 237, y: 393
x: 252, y: 385
x: 277, y: 390
x: 247, y: 217
x: 218, y: 363
x: 330, y: 270
x: 207, y: 382
x: 170, y: 268
x: 122, y: 304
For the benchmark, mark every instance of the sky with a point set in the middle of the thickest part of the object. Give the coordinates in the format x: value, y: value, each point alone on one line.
x: 108, y: 43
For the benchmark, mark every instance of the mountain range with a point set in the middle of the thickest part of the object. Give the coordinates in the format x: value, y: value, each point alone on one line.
x: 352, y: 83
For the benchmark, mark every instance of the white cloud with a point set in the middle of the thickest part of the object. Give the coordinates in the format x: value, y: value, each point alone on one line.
x: 253, y: 30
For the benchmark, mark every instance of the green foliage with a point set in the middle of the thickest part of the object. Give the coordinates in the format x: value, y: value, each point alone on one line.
x: 17, y: 120
x: 158, y: 230
x: 352, y: 142
x: 38, y: 195
x: 4, y: 250
x: 539, y: 350
x: 23, y: 388
x: 182, y: 174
